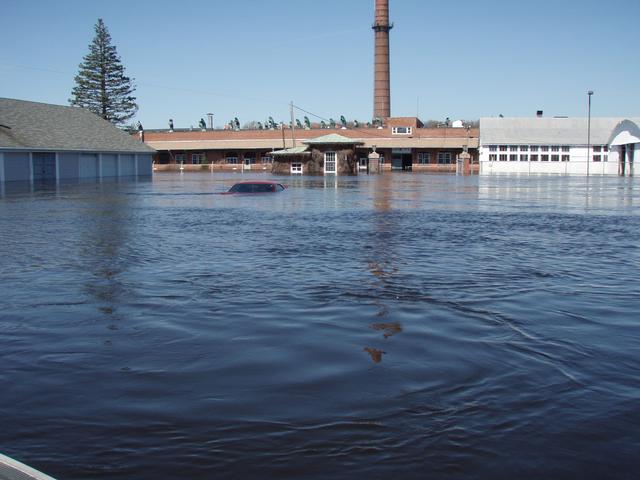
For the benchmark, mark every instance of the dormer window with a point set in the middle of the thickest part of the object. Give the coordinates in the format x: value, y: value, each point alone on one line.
x: 401, y: 130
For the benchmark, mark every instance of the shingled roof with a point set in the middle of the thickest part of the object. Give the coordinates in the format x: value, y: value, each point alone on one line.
x: 30, y: 125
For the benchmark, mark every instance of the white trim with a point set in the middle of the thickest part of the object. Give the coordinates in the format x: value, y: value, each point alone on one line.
x: 20, y: 470
x: 335, y: 163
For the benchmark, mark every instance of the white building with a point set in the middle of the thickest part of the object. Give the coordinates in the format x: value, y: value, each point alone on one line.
x: 561, y: 146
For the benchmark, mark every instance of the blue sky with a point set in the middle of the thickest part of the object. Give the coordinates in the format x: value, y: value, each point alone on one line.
x: 250, y: 58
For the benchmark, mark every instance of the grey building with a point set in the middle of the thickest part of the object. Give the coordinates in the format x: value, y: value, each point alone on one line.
x: 41, y: 142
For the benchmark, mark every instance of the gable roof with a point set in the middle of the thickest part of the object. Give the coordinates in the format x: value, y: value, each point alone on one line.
x: 559, y: 131
x: 31, y: 125
x: 333, y: 139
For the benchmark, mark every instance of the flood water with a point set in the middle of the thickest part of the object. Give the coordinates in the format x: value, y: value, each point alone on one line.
x: 393, y: 326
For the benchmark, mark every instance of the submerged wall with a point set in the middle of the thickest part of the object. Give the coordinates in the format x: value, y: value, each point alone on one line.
x: 22, y: 166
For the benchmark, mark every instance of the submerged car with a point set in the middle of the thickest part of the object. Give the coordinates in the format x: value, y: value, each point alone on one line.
x: 255, y: 187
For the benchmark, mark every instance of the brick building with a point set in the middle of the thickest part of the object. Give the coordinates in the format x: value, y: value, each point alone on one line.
x: 403, y: 144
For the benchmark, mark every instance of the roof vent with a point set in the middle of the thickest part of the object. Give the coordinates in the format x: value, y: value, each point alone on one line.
x: 539, y: 114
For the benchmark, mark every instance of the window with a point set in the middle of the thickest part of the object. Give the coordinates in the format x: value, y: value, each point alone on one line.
x: 544, y: 148
x: 524, y: 148
x: 444, y: 157
x: 493, y: 157
x: 555, y: 158
x: 381, y: 160
x: 231, y: 160
x: 605, y: 148
x: 493, y: 148
x: 597, y: 148
x: 424, y: 158
x: 513, y: 157
x: 503, y: 157
x: 503, y: 148
x: 249, y: 159
x: 534, y: 148
x: 605, y: 158
x: 197, y: 158
x: 565, y: 158
x: 544, y: 158
x: 296, y: 167
x: 555, y: 148
x: 534, y: 157
x: 513, y: 148
x: 566, y: 148
x: 330, y: 162
x: 266, y: 159
x: 596, y: 158
x: 524, y: 158
x: 180, y: 157
x: 401, y: 130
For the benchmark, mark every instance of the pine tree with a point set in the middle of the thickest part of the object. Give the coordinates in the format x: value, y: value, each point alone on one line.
x: 101, y: 85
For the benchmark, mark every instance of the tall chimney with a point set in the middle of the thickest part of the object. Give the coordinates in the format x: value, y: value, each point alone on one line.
x: 382, y: 84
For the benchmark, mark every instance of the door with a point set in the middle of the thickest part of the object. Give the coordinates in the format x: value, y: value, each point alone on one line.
x: 44, y: 167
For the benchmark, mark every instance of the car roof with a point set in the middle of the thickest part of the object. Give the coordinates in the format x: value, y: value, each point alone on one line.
x: 261, y: 182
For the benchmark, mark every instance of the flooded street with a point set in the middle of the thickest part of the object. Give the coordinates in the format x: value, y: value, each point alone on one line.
x: 400, y: 325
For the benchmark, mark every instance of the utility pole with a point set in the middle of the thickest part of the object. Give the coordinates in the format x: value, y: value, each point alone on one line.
x: 589, y: 93
x: 293, y: 125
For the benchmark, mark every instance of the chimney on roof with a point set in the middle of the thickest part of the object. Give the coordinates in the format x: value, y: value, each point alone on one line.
x: 539, y: 114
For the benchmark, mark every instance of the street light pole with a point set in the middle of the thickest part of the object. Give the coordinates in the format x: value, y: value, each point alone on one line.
x: 589, y: 94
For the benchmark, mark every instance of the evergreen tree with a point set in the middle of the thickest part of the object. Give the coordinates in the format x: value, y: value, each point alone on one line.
x: 101, y: 85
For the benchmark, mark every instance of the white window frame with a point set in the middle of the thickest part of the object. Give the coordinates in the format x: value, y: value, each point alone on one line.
x: 296, y: 168
x: 197, y: 158
x: 334, y: 161
x: 231, y: 160
x: 401, y: 130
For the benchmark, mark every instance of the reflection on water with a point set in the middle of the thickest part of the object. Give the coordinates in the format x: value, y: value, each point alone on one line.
x: 393, y: 325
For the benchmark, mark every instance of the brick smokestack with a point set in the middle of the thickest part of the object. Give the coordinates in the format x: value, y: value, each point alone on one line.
x: 382, y: 83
